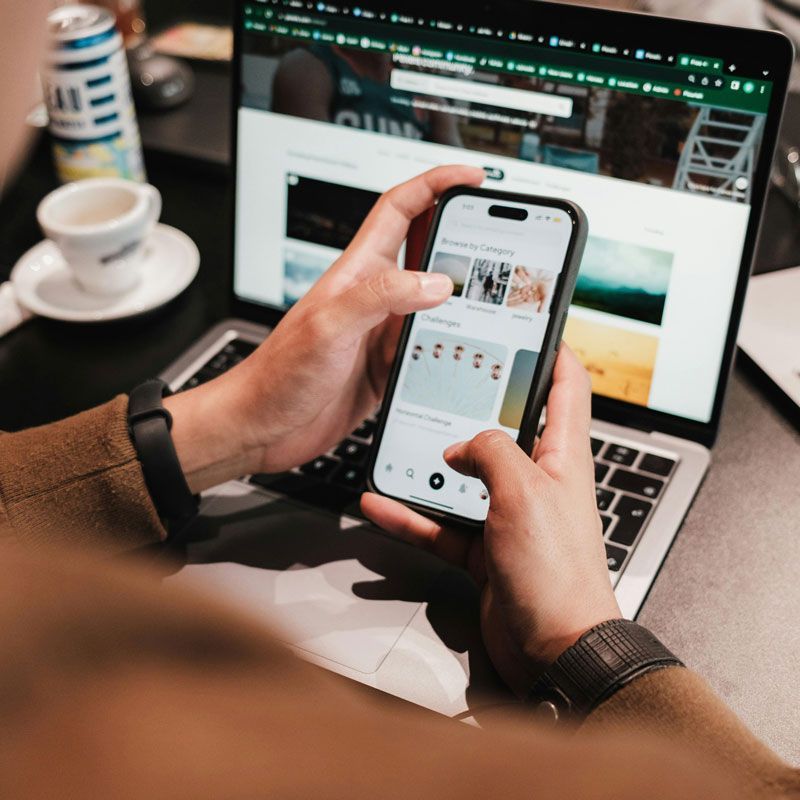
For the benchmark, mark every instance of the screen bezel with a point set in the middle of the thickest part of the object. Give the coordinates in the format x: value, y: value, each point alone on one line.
x: 562, y: 294
x: 775, y: 52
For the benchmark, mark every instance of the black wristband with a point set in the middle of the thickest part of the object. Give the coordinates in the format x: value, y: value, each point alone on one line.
x: 149, y: 424
x: 601, y: 662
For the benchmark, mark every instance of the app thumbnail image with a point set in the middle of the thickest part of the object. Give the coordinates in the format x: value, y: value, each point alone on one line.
x: 488, y: 281
x: 301, y: 270
x: 519, y: 386
x: 624, y: 279
x: 619, y: 362
x: 531, y: 289
x: 454, y: 266
x: 454, y: 374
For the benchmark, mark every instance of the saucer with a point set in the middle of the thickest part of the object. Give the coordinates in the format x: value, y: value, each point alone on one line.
x: 46, y: 286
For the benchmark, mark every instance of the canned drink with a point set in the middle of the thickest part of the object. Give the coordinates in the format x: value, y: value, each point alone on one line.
x: 87, y: 91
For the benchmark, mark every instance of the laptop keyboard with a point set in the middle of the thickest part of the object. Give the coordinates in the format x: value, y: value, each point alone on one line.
x: 630, y: 481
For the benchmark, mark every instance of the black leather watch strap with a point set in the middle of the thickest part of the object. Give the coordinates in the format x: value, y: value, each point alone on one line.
x: 601, y: 662
x: 149, y: 424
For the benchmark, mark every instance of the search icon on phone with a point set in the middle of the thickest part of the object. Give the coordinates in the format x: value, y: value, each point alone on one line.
x: 410, y: 473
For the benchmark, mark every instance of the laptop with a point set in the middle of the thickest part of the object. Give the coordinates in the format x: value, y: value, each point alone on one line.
x: 663, y: 131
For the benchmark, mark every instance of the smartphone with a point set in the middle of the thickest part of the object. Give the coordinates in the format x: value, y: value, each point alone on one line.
x: 484, y: 359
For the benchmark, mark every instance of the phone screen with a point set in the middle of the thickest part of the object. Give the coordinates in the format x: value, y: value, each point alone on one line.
x: 468, y: 365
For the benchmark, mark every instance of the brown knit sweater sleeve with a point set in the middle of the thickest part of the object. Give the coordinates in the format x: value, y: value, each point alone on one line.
x: 76, y: 482
x: 678, y: 705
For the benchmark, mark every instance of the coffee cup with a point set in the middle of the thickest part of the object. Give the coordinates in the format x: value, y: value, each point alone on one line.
x: 101, y: 226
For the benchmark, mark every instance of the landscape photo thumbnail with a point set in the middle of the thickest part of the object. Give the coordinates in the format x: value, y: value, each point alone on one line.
x: 619, y: 362
x: 624, y: 279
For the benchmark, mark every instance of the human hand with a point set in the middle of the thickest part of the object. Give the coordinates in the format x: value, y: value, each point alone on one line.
x: 324, y: 368
x: 541, y: 562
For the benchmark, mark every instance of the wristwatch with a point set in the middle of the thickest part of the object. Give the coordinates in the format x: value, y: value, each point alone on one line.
x: 602, y: 661
x: 149, y: 424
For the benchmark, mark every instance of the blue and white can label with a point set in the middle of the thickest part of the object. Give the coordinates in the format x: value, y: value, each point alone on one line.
x: 87, y: 90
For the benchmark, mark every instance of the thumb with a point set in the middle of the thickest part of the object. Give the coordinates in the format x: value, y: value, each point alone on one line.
x: 496, y: 459
x: 368, y: 303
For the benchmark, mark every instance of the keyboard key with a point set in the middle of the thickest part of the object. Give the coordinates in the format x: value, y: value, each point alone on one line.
x: 351, y: 451
x: 620, y: 454
x: 350, y: 476
x: 597, y: 446
x: 220, y: 362
x: 319, y: 467
x: 656, y: 464
x: 632, y: 514
x: 364, y: 430
x: 616, y: 557
x: 311, y: 491
x: 600, y: 471
x: 232, y: 354
x: 268, y: 480
x: 604, y: 499
x: 238, y: 347
x: 204, y: 375
x: 606, y: 520
x: 635, y: 483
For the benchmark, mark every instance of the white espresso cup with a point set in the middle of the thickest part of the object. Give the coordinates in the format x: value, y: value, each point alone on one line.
x: 101, y: 225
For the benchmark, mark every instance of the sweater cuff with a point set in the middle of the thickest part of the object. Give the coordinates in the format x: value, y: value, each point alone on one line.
x: 77, y: 482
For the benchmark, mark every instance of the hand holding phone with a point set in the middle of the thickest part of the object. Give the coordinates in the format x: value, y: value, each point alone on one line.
x: 540, y: 563
x: 484, y: 359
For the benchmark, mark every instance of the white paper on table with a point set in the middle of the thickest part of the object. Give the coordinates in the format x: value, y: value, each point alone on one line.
x: 770, y: 330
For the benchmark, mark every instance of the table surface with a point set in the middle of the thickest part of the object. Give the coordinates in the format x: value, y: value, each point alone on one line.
x: 727, y: 599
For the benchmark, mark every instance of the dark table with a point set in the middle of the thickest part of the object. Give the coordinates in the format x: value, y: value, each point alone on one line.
x: 727, y: 599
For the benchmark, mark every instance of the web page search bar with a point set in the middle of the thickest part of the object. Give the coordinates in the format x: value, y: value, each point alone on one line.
x: 484, y: 93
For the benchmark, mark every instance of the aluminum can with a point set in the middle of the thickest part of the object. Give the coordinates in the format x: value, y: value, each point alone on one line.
x: 87, y: 91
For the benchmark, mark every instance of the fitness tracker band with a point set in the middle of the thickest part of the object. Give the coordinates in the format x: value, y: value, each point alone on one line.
x: 149, y: 424
x: 602, y: 661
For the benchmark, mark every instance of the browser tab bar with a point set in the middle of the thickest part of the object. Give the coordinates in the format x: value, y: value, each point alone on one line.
x: 568, y: 60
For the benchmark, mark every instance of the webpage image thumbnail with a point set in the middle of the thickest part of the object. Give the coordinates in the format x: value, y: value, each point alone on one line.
x: 619, y: 362
x: 454, y: 374
x: 301, y: 270
x: 324, y: 217
x: 626, y: 280
x: 323, y: 213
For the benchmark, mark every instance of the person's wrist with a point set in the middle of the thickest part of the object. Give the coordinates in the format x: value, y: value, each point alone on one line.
x: 260, y: 431
x: 213, y: 441
x: 549, y: 645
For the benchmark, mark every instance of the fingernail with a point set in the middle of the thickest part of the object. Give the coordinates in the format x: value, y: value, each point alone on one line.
x: 435, y: 284
x: 453, y: 450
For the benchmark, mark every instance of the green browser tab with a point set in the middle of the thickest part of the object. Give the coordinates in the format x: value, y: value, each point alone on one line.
x: 700, y: 63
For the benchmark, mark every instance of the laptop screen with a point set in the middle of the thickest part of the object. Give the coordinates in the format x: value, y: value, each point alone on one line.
x: 658, y: 141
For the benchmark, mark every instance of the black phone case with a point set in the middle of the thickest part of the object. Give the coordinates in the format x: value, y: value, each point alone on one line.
x: 543, y: 375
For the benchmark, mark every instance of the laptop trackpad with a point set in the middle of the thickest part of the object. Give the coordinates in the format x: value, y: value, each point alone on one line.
x: 344, y: 593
